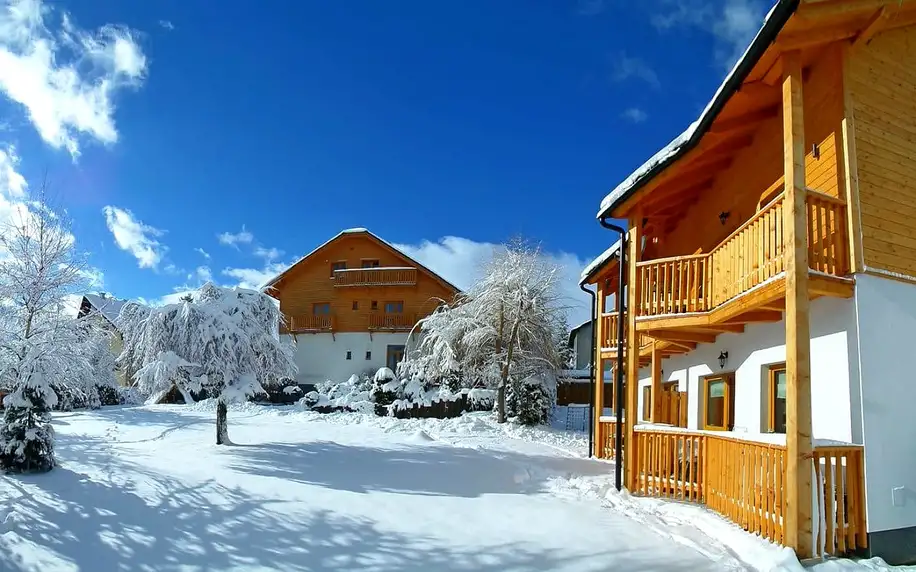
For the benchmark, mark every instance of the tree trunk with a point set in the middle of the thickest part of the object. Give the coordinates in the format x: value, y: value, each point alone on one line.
x: 222, y: 424
x: 501, y: 391
x: 185, y: 394
x: 501, y: 403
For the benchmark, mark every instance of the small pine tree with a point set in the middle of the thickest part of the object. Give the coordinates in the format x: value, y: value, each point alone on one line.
x: 26, y: 435
x: 530, y: 401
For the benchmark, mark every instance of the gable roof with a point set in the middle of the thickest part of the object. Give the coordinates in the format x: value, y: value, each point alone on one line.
x: 773, y: 23
x: 374, y: 237
x: 108, y: 307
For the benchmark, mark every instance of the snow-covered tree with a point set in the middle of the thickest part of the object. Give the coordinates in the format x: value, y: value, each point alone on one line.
x: 40, y: 346
x: 504, y: 329
x: 224, y: 342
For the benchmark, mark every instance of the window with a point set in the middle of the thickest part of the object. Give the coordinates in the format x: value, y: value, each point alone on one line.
x: 368, y: 355
x: 339, y: 265
x: 776, y: 389
x: 355, y: 304
x: 719, y: 402
x: 321, y: 308
x: 647, y: 403
x: 394, y: 356
x: 394, y: 307
x: 374, y: 305
x: 349, y: 355
x: 370, y: 263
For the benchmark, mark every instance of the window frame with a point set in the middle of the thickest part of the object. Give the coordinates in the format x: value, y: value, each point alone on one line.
x: 335, y: 264
x: 647, y: 403
x: 729, y: 410
x: 372, y: 263
x: 771, y: 395
x: 373, y: 305
x: 399, y: 303
x: 355, y: 305
x: 316, y: 305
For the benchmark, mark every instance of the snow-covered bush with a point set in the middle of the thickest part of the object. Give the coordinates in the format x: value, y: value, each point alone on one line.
x: 385, y: 388
x: 26, y: 436
x: 130, y: 396
x: 222, y: 341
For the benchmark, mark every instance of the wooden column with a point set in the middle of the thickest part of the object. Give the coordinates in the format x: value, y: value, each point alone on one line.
x: 798, y: 532
x: 634, y: 244
x: 656, y: 411
x: 850, y: 172
x: 599, y: 370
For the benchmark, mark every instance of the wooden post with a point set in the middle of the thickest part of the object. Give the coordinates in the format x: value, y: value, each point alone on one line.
x: 850, y: 171
x: 656, y: 394
x: 599, y: 370
x: 634, y: 241
x: 798, y: 525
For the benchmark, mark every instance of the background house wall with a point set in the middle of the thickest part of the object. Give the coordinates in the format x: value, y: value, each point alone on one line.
x: 582, y: 345
x: 834, y: 372
x: 323, y: 357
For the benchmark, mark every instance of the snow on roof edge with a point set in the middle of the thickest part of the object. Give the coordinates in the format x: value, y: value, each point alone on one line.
x: 597, y: 263
x: 109, y: 308
x: 674, y: 148
x: 267, y: 285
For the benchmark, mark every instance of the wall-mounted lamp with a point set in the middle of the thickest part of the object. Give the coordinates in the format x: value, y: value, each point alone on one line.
x: 723, y: 216
x: 723, y: 359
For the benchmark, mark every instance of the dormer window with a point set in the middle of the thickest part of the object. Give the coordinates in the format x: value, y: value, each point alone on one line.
x: 339, y: 265
x: 370, y: 263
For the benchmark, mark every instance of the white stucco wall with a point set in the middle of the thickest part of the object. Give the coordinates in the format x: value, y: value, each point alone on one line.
x: 887, y: 330
x: 321, y: 357
x: 834, y: 371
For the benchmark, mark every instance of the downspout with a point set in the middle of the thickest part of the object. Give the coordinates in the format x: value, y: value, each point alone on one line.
x: 591, y: 371
x: 618, y: 374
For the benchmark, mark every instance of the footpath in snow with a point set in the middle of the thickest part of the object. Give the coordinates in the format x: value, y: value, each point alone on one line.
x: 144, y: 488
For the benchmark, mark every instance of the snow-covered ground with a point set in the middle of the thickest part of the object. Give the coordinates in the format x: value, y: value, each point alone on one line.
x: 145, y: 488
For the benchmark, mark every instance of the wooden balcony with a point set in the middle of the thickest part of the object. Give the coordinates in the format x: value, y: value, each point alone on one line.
x: 382, y: 276
x: 744, y: 480
x: 392, y: 322
x: 608, y: 341
x: 749, y: 259
x: 308, y: 323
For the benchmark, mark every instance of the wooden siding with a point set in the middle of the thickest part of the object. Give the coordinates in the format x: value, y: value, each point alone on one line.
x: 881, y: 81
x: 310, y: 282
x: 738, y: 189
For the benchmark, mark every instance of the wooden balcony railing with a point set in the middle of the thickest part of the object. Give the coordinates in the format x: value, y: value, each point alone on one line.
x: 748, y: 257
x: 309, y: 323
x: 382, y: 276
x: 392, y: 322
x: 607, y: 432
x: 744, y: 481
x: 609, y: 332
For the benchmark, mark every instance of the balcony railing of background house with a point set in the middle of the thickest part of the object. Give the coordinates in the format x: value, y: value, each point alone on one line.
x: 309, y: 323
x: 748, y: 257
x: 380, y: 276
x: 392, y: 322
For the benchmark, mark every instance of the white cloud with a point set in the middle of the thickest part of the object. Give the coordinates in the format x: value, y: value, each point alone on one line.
x: 733, y: 23
x: 254, y: 278
x: 460, y: 261
x: 634, y: 114
x: 268, y: 253
x: 133, y: 236
x: 203, y: 273
x: 241, y: 237
x: 626, y: 67
x: 167, y: 24
x: 65, y: 78
x: 203, y: 253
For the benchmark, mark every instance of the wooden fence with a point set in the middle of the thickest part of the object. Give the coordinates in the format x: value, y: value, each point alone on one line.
x: 745, y: 480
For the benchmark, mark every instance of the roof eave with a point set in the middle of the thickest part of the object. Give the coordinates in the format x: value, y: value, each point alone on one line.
x: 777, y: 19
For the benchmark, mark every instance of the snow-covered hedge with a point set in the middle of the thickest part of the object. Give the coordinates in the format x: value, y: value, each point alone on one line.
x: 385, y: 395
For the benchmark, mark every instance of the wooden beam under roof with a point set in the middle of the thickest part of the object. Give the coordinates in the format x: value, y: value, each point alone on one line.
x: 816, y: 37
x: 682, y: 336
x: 821, y: 9
x: 878, y: 20
x: 664, y: 194
x: 756, y: 316
x: 745, y: 121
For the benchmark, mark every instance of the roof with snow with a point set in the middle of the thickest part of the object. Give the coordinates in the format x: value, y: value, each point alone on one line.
x: 772, y: 25
x: 105, y: 305
x: 352, y: 231
x: 595, y: 265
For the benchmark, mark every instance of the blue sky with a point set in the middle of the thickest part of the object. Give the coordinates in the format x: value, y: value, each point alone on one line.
x: 188, y: 142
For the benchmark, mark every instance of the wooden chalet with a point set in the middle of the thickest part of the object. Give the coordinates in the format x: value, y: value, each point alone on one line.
x: 771, y: 290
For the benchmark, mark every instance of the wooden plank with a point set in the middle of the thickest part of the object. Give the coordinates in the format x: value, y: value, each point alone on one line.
x: 656, y: 383
x: 877, y: 21
x: 798, y: 517
x: 840, y: 503
x: 634, y: 243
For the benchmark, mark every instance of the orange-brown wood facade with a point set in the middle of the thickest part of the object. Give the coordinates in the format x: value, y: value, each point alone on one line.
x: 311, y: 282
